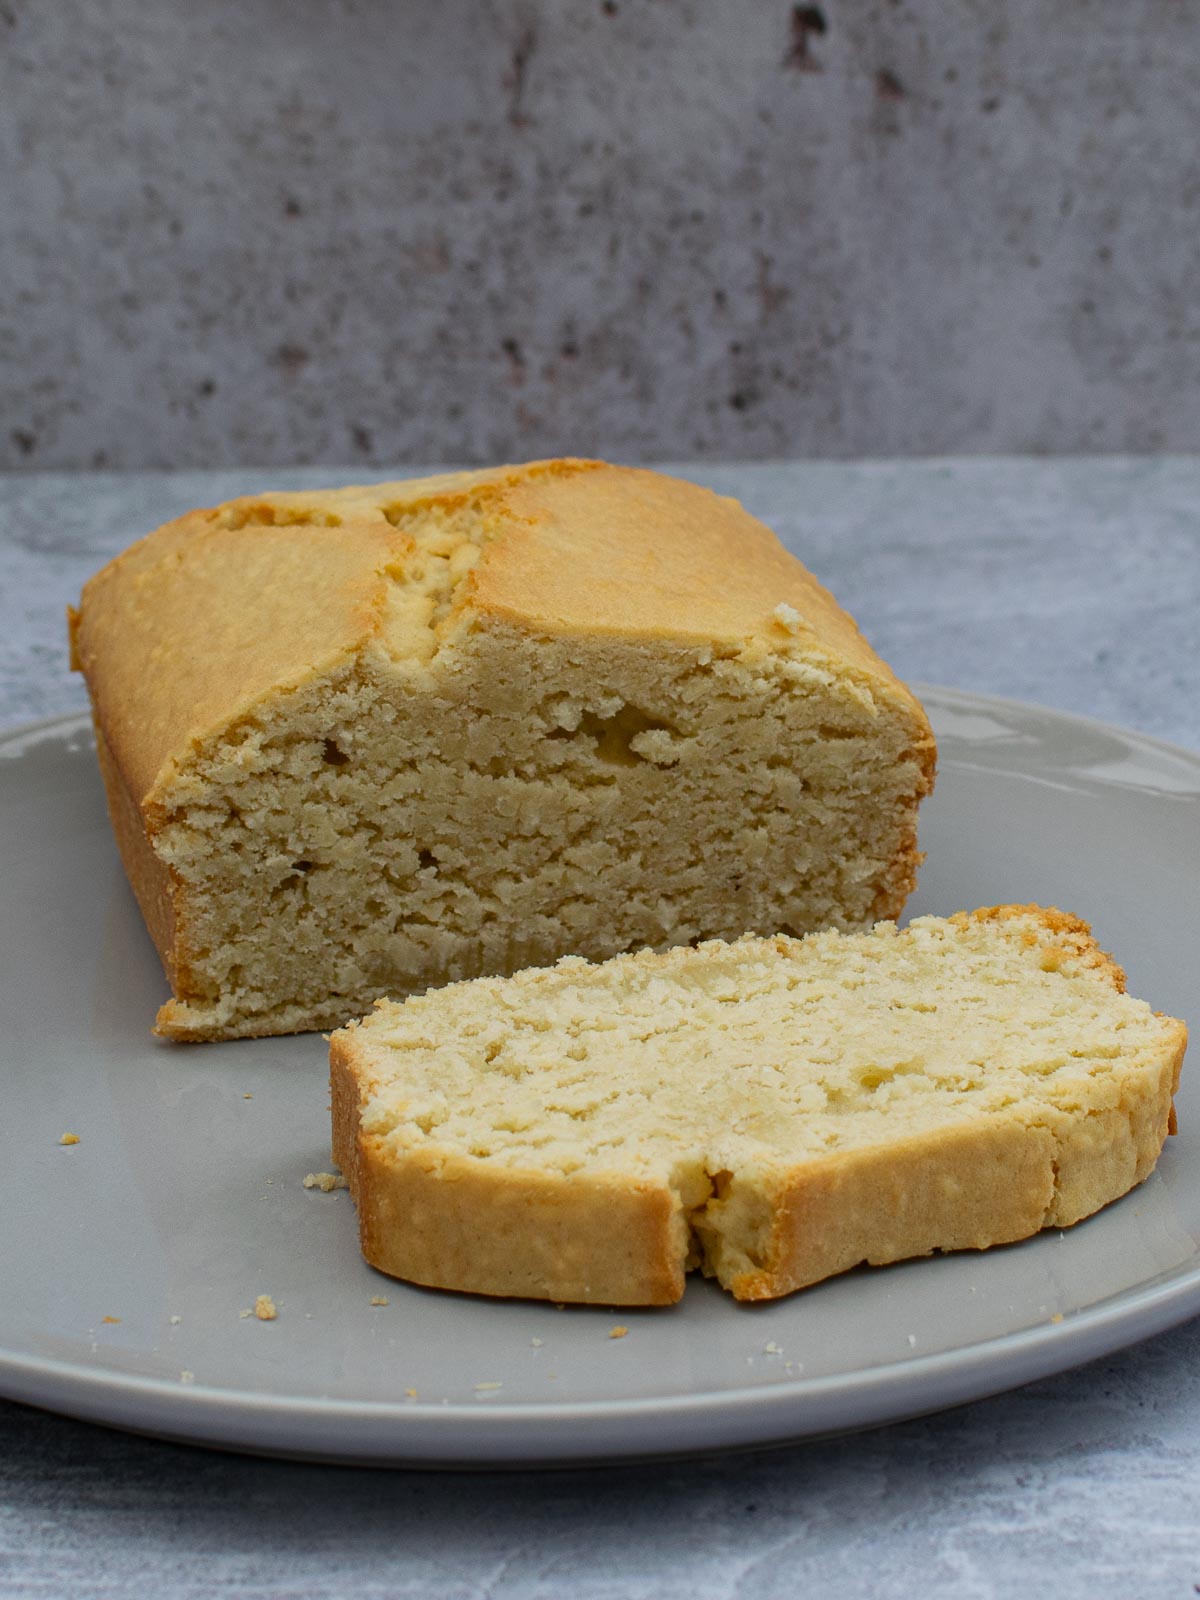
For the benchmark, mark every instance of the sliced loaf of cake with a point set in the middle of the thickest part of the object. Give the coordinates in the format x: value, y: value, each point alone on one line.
x: 772, y: 1110
x: 364, y: 741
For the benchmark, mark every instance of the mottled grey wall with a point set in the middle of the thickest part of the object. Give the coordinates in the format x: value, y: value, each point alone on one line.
x: 351, y: 230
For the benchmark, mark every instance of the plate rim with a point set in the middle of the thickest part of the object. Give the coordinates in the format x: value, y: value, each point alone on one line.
x: 494, y: 1434
x: 551, y: 1433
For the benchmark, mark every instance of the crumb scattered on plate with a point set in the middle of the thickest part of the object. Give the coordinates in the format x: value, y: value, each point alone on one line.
x: 110, y: 1319
x: 618, y: 1332
x: 537, y: 1343
x: 1057, y: 1317
x: 69, y: 1138
x: 264, y: 1308
x: 482, y: 1387
x: 772, y: 1349
x: 174, y: 1321
x: 186, y: 1377
x: 325, y: 1181
x: 411, y: 1394
x: 379, y: 1300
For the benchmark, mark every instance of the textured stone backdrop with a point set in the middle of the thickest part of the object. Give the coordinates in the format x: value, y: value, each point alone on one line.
x: 274, y: 231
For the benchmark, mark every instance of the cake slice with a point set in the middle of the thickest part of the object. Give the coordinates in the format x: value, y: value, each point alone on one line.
x: 360, y: 742
x: 772, y: 1110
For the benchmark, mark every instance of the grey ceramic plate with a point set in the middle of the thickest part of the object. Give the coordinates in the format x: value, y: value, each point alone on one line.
x: 128, y: 1260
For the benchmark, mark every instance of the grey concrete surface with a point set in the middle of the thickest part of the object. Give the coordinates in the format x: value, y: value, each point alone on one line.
x: 1075, y: 583
x: 286, y: 231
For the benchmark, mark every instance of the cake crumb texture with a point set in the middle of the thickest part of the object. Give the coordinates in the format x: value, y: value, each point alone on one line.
x: 769, y: 1111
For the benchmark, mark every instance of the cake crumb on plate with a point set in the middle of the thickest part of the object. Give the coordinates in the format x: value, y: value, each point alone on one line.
x: 325, y: 1181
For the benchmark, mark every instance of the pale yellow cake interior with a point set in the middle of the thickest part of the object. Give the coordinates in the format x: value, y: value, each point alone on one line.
x: 465, y: 796
x: 717, y: 1070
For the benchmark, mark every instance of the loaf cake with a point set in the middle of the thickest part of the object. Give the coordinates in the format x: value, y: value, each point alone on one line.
x: 360, y: 742
x: 772, y: 1110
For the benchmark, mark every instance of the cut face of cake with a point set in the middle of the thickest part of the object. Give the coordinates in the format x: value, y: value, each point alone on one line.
x: 362, y: 742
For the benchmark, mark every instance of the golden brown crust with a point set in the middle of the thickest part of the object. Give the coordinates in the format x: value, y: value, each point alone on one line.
x: 1072, y: 936
x: 983, y: 1183
x: 963, y: 1188
x: 577, y: 559
x: 444, y: 1221
x: 149, y: 878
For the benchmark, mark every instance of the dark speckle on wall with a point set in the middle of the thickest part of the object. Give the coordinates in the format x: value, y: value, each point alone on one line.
x: 516, y: 359
x: 888, y: 85
x: 807, y: 24
x: 514, y: 79
x: 292, y: 358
